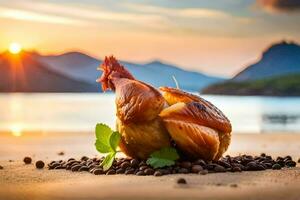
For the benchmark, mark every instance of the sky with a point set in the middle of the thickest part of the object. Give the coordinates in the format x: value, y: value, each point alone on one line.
x: 217, y: 37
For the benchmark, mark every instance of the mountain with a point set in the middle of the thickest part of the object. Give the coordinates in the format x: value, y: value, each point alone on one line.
x: 285, y: 85
x: 279, y: 59
x: 25, y: 73
x: 277, y: 73
x: 83, y: 67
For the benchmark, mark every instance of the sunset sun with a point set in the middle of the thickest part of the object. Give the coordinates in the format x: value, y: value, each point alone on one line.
x: 15, y: 48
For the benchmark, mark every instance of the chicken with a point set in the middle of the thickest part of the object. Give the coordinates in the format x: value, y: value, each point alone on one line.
x: 138, y: 106
x: 198, y: 128
x: 149, y: 119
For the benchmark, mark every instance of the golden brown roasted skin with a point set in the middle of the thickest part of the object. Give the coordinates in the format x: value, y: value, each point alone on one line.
x: 138, y: 106
x: 198, y: 128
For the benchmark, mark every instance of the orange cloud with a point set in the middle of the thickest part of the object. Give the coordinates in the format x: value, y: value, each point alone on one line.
x: 280, y: 5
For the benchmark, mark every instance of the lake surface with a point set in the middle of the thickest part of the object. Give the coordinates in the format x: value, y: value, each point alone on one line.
x: 80, y: 112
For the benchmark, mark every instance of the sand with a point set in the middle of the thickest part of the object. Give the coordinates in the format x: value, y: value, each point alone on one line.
x: 19, y: 181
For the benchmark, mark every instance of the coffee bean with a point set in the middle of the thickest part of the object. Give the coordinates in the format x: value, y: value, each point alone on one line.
x: 181, y: 181
x: 242, y: 167
x: 287, y: 158
x: 246, y: 160
x: 92, y: 165
x: 149, y: 171
x: 251, y: 166
x: 1, y: 167
x: 59, y: 167
x: 129, y: 171
x: 134, y: 163
x: 142, y: 163
x: 140, y: 173
x: 76, y: 168
x: 219, y: 168
x: 54, y: 165
x: 224, y: 164
x: 157, y: 173
x: 299, y: 160
x: 166, y: 171
x: 111, y: 172
x: 84, y: 158
x: 97, y: 171
x: 83, y: 168
x: 91, y: 170
x: 75, y: 163
x: 196, y: 168
x: 186, y: 164
x: 83, y: 163
x: 234, y: 185
x: 134, y: 166
x: 142, y: 168
x: 290, y: 163
x: 27, y: 160
x: 125, y: 164
x: 279, y: 158
x: 263, y: 155
x: 71, y: 162
x: 236, y: 169
x: 39, y: 164
x: 200, y: 162
x: 210, y: 166
x: 203, y: 172
x: 276, y: 166
x: 268, y: 165
x: 183, y: 171
x: 281, y: 163
x: 70, y: 159
x: 69, y: 167
x: 269, y: 157
x: 120, y: 171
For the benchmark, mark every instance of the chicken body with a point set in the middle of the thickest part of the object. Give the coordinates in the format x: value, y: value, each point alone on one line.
x: 148, y: 119
x: 199, y: 128
x: 138, y: 107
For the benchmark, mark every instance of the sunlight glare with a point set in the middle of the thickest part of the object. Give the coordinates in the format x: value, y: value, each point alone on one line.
x: 16, y: 130
x: 15, y: 48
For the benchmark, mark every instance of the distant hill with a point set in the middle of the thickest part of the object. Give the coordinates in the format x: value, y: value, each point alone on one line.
x: 24, y: 73
x: 286, y: 85
x: 277, y: 73
x: 279, y: 59
x: 83, y: 67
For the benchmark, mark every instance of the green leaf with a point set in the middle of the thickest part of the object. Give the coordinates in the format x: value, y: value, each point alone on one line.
x: 162, y: 158
x: 114, y: 140
x: 103, y: 134
x: 108, y: 161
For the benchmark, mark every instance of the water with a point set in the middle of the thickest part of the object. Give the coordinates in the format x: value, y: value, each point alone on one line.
x: 80, y: 112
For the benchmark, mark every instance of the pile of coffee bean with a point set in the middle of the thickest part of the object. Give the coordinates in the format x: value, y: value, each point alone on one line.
x: 140, y: 168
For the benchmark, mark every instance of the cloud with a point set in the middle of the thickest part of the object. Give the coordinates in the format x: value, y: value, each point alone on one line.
x: 280, y: 5
x: 188, y: 13
x: 179, y: 12
x: 24, y: 15
x: 65, y: 13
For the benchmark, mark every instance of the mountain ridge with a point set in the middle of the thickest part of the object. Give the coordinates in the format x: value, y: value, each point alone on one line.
x: 23, y: 73
x: 275, y: 74
x: 278, y: 59
x: 84, y: 69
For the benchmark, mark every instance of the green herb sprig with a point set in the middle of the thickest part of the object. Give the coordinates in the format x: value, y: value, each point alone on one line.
x: 107, y: 142
x: 163, y: 158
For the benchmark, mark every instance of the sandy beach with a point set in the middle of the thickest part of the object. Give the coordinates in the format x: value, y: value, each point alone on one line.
x: 20, y: 181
